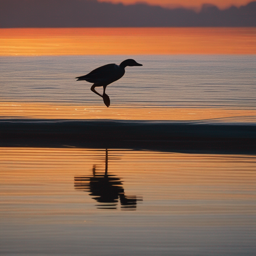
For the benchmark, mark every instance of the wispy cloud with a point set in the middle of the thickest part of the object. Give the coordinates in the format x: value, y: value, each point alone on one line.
x: 91, y: 13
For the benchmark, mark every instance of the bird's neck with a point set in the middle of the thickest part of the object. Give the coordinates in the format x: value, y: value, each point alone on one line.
x: 123, y: 65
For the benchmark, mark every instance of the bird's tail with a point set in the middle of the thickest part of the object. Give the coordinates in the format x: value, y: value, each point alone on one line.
x: 79, y: 78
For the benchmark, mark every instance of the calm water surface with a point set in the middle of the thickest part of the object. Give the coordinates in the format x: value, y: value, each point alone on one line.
x: 73, y: 201
x: 205, y: 81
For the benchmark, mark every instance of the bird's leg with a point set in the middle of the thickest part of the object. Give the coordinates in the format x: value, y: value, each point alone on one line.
x: 104, y: 89
x: 93, y: 90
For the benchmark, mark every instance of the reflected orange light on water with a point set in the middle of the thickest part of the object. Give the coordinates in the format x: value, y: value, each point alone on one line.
x: 93, y: 41
x: 55, y: 111
x: 40, y: 172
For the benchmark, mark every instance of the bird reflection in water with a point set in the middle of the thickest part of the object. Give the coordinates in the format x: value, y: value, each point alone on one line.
x: 106, y: 189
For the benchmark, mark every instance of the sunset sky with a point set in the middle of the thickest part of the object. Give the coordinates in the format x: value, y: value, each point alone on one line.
x: 186, y: 3
x: 131, y: 13
x: 82, y: 21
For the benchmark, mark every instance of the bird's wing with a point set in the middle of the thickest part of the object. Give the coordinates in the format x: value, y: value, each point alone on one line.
x: 102, y: 74
x: 97, y: 73
x: 103, y: 71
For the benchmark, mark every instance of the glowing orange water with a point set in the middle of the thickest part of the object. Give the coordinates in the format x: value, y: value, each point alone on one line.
x: 55, y: 111
x: 83, y: 41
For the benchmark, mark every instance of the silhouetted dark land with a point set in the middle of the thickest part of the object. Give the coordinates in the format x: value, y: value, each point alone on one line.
x: 160, y: 136
x: 91, y: 13
x: 105, y: 75
x: 106, y: 189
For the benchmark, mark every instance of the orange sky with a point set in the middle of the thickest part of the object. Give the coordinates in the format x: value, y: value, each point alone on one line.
x: 186, y: 3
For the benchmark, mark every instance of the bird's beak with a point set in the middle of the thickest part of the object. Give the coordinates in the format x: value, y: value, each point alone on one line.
x: 138, y: 64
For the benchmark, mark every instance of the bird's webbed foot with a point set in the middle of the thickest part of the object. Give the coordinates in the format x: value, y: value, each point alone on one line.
x: 106, y: 99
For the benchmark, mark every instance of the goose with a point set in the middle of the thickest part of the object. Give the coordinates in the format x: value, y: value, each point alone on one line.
x: 105, y: 75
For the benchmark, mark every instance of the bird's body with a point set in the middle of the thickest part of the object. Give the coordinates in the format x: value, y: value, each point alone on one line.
x: 105, y: 75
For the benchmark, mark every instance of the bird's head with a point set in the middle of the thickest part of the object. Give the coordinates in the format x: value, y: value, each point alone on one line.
x: 129, y: 62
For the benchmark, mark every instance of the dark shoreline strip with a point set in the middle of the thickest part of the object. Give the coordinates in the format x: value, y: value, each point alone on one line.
x: 161, y: 136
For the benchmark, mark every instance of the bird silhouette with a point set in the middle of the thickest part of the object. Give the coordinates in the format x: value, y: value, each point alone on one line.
x: 105, y: 75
